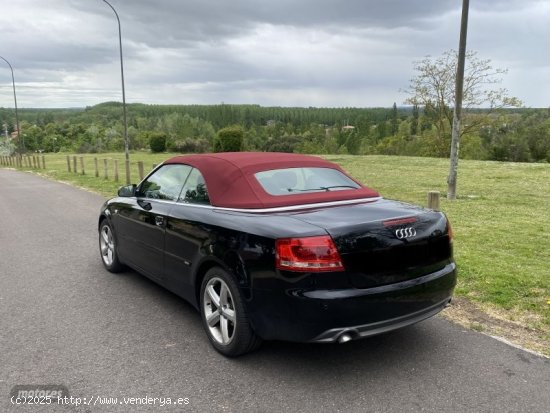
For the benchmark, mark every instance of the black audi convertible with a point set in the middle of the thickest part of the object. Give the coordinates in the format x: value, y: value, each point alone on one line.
x: 277, y: 246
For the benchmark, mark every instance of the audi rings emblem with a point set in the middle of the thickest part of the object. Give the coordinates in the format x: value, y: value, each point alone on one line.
x: 403, y: 233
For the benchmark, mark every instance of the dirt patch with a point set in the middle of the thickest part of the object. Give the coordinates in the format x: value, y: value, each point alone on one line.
x: 496, y: 323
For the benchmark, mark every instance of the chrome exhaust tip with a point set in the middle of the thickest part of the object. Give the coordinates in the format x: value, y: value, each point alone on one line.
x: 344, y: 338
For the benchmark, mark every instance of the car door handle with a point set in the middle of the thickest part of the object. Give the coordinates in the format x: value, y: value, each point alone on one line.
x: 159, y: 221
x: 144, y: 204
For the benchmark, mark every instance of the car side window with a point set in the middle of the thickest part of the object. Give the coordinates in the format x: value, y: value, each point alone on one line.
x: 195, y: 191
x: 166, y: 183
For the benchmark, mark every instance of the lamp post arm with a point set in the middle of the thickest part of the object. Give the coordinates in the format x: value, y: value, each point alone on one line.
x: 15, y: 101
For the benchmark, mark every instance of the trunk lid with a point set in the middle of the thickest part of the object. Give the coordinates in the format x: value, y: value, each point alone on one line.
x: 385, y: 242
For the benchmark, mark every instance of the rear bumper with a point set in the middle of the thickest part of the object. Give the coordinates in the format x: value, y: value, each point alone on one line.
x: 311, y: 315
x: 354, y: 332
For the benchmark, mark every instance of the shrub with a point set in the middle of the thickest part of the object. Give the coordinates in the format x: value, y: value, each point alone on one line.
x: 157, y: 142
x: 287, y: 144
x: 229, y: 139
x: 190, y: 145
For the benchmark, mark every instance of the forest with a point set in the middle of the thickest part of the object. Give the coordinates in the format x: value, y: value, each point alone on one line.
x: 519, y: 134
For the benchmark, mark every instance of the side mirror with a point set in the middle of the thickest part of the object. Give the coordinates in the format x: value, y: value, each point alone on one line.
x: 127, y: 191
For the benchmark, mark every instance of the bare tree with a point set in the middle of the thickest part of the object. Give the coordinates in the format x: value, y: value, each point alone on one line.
x: 454, y: 81
x: 433, y: 87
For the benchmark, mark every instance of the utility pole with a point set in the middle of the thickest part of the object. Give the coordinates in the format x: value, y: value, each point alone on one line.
x: 457, y: 113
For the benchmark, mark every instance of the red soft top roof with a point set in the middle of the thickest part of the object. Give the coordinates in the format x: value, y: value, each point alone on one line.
x: 231, y: 182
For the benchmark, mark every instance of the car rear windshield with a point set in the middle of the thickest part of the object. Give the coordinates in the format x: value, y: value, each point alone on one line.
x: 292, y: 181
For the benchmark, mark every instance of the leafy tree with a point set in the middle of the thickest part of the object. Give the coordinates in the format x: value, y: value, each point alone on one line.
x: 353, y: 143
x: 414, y: 122
x: 394, y: 119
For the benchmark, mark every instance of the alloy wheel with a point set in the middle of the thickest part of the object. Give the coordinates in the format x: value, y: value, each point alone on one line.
x: 219, y: 311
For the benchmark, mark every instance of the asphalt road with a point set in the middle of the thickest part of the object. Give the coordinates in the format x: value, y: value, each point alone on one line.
x: 67, y: 321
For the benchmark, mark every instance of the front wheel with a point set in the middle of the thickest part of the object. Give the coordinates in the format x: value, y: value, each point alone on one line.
x: 223, y: 315
x: 107, y: 248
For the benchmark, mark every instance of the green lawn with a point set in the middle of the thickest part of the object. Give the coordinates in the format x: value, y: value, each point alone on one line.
x: 501, y: 219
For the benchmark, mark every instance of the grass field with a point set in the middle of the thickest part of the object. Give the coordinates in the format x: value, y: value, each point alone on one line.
x: 501, y: 221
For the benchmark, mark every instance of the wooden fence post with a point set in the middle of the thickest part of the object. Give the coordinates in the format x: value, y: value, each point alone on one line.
x: 43, y: 162
x: 68, y: 163
x: 140, y: 169
x: 433, y: 200
x: 116, y: 170
x: 74, y: 165
x: 96, y: 168
x: 106, y: 168
x: 34, y: 161
x: 82, y: 165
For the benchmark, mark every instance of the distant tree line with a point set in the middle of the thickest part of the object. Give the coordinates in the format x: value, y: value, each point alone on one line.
x: 521, y: 135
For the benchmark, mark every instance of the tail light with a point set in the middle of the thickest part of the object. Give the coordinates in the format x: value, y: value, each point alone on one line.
x: 309, y: 254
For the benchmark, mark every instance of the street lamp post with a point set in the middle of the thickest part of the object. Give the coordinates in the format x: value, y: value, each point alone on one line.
x: 15, y: 101
x: 123, y: 97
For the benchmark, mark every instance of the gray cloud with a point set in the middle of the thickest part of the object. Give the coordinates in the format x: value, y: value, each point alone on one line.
x: 310, y: 52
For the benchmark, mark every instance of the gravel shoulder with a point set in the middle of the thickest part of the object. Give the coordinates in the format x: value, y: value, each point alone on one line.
x: 497, y: 323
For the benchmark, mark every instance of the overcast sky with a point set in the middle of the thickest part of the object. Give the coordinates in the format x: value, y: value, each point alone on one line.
x: 270, y: 52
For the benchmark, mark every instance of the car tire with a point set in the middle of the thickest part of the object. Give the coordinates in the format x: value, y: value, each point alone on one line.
x: 223, y: 315
x: 108, y: 248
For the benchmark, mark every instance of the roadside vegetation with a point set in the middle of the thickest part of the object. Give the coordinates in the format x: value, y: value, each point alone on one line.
x: 519, y: 135
x: 500, y: 222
